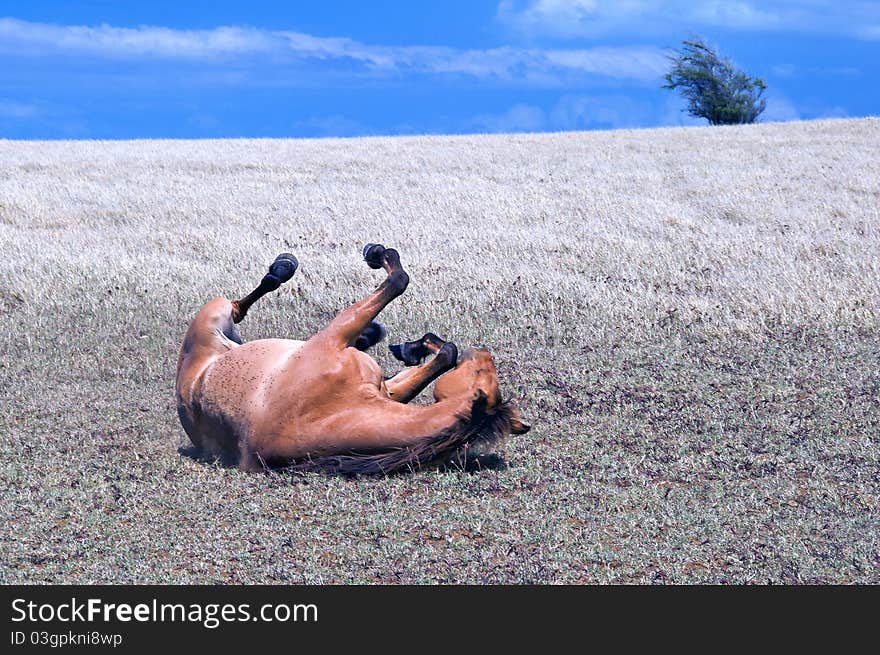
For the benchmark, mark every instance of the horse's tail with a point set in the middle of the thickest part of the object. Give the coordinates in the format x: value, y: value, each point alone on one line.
x: 458, y: 446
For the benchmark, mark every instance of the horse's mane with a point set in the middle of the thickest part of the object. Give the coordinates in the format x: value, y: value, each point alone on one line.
x: 458, y: 446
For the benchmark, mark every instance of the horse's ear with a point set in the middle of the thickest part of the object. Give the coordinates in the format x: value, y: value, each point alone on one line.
x: 517, y: 424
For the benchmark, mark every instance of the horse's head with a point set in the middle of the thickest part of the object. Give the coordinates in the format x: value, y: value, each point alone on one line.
x: 475, y: 375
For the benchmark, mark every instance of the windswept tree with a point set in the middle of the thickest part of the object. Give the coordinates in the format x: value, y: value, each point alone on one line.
x: 713, y: 87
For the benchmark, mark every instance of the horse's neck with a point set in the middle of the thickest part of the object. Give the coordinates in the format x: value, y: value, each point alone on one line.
x: 390, y: 423
x: 424, y: 420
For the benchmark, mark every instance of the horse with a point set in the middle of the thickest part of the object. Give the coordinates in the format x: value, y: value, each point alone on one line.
x: 323, y: 404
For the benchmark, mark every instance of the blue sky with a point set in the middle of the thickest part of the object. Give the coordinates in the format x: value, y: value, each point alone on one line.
x: 116, y: 69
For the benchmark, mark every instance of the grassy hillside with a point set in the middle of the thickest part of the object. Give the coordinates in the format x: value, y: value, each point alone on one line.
x: 689, y: 317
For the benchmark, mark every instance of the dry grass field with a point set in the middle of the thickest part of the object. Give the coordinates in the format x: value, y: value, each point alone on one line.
x: 690, y: 318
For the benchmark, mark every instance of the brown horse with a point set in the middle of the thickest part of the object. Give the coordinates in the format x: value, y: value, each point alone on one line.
x: 322, y: 404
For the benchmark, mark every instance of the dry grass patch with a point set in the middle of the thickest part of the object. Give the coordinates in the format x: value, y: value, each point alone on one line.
x: 690, y: 318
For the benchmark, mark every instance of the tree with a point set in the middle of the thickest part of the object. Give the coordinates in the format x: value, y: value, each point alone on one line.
x: 713, y: 87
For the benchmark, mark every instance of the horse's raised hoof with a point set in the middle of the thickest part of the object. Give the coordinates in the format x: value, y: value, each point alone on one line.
x: 283, y: 267
x: 411, y: 353
x: 373, y: 254
x: 372, y: 334
x: 449, y: 351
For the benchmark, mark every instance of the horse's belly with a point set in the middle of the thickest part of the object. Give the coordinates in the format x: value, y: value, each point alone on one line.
x: 235, y: 387
x: 307, y: 399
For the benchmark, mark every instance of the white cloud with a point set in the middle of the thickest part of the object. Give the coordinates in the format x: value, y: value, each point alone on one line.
x: 639, y: 63
x: 788, y: 70
x: 579, y: 112
x: 23, y: 38
x: 870, y: 32
x: 572, y: 112
x: 567, y: 18
x: 15, y: 109
x: 675, y: 113
x: 835, y: 111
x: 779, y: 109
x: 519, y: 118
x: 332, y: 125
x: 734, y: 14
x: 585, y: 18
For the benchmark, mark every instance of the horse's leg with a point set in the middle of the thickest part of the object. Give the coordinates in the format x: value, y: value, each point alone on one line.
x: 350, y: 323
x: 281, y: 270
x: 407, y: 384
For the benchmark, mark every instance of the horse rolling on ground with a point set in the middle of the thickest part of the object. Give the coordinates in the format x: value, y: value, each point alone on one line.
x: 323, y: 404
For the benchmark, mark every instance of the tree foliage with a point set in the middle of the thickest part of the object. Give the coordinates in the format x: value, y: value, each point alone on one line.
x: 713, y: 87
